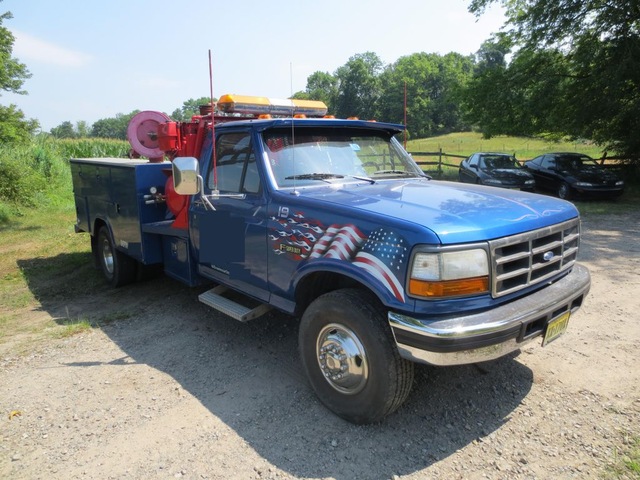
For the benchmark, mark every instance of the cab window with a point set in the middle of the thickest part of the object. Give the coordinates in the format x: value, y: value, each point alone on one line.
x: 236, y: 170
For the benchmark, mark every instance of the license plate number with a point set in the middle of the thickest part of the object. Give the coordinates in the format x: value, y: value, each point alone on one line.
x: 556, y: 327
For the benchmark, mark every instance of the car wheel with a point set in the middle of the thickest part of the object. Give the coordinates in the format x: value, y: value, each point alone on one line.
x: 564, y: 191
x: 350, y: 357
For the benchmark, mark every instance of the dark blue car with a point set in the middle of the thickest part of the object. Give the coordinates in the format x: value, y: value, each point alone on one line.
x: 570, y: 175
x: 495, y: 170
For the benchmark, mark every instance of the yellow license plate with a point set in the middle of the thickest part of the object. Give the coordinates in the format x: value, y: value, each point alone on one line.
x: 556, y: 327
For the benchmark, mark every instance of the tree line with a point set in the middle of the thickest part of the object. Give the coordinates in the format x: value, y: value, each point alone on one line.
x: 558, y: 68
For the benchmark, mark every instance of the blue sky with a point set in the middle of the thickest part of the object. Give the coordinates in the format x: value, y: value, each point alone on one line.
x: 94, y: 59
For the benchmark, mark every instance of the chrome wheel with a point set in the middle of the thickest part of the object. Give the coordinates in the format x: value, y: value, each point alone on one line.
x: 342, y: 359
x: 107, y: 256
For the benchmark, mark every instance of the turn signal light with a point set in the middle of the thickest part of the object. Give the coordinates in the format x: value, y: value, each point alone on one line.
x: 449, y: 288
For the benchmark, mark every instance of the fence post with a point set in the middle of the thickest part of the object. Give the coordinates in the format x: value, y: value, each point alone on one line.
x: 440, y: 162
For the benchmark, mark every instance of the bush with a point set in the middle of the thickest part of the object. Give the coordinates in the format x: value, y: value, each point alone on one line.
x: 39, y: 171
x: 21, y: 182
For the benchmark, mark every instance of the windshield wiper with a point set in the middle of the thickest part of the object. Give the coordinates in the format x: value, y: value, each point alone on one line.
x: 314, y: 176
x: 404, y: 173
x: 326, y: 176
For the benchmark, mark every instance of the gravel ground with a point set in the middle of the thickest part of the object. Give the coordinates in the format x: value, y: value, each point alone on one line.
x: 167, y: 388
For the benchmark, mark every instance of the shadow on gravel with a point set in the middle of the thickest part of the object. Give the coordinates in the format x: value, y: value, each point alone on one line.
x: 248, y: 375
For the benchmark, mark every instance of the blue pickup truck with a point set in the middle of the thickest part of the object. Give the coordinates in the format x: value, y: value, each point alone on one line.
x: 333, y: 222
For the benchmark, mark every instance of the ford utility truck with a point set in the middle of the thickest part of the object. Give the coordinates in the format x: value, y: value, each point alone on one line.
x: 332, y: 221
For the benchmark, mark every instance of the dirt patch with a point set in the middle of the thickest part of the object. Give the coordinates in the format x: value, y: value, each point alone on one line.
x: 167, y: 388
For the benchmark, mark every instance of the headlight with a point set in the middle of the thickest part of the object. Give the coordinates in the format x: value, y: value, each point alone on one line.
x: 584, y: 184
x: 530, y: 182
x: 449, y: 274
x: 619, y: 183
x: 492, y: 181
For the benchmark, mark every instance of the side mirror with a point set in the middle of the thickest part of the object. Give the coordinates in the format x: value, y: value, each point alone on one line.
x: 186, y: 175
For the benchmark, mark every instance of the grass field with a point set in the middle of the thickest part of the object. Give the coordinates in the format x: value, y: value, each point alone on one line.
x: 466, y: 143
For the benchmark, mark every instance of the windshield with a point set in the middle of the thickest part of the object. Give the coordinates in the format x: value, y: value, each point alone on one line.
x: 574, y: 162
x: 494, y: 162
x: 312, y: 156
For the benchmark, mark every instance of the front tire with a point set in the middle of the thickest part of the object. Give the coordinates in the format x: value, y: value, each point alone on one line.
x: 350, y: 357
x: 564, y: 191
x: 117, y: 268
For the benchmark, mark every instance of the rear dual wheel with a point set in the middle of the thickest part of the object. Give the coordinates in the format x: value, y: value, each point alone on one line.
x: 350, y: 357
x: 118, y: 268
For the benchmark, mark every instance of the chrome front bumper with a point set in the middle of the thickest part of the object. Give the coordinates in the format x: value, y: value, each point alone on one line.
x: 491, y: 333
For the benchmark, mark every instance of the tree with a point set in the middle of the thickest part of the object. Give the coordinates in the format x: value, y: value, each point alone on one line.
x: 64, y: 130
x: 431, y: 83
x: 190, y: 108
x: 591, y: 50
x: 12, y: 73
x: 14, y: 127
x: 82, y: 129
x: 526, y: 97
x: 358, y: 86
x: 321, y: 86
x: 114, y: 127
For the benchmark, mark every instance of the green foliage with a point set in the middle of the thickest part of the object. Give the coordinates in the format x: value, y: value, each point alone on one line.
x: 64, y: 130
x: 190, y: 108
x: 38, y: 172
x: 432, y: 84
x: 24, y: 172
x: 92, y: 148
x: 358, y: 86
x: 365, y: 88
x: 114, y: 127
x: 12, y: 72
x: 575, y: 72
x: 321, y: 86
x: 527, y: 97
x: 14, y: 127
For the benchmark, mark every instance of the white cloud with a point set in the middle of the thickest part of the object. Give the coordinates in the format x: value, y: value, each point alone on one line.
x: 29, y: 48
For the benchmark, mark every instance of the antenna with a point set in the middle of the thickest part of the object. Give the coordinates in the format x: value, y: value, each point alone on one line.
x: 213, y: 130
x: 293, y: 134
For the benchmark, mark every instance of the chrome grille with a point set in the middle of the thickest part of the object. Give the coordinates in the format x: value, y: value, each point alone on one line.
x: 533, y: 257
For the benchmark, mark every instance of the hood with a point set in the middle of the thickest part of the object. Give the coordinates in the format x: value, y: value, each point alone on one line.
x: 454, y: 212
x: 509, y: 174
x: 593, y: 174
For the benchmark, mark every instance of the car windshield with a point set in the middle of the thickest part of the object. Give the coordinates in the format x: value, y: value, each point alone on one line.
x: 574, y: 162
x: 494, y: 162
x: 312, y: 156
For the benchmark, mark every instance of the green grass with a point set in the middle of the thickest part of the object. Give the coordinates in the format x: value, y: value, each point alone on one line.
x: 42, y: 261
x: 72, y: 327
x: 466, y: 143
x: 626, y: 462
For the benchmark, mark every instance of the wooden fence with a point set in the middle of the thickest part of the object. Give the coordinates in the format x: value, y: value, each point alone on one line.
x: 439, y: 162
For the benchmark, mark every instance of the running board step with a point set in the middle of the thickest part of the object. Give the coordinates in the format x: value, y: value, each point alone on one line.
x: 217, y: 301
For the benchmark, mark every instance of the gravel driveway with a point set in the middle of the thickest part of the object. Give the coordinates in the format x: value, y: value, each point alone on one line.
x: 167, y: 388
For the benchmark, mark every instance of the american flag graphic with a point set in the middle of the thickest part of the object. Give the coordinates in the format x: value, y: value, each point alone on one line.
x: 382, y: 254
x: 338, y: 242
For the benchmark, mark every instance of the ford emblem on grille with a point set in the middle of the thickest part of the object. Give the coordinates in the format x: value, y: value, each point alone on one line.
x: 547, y: 256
